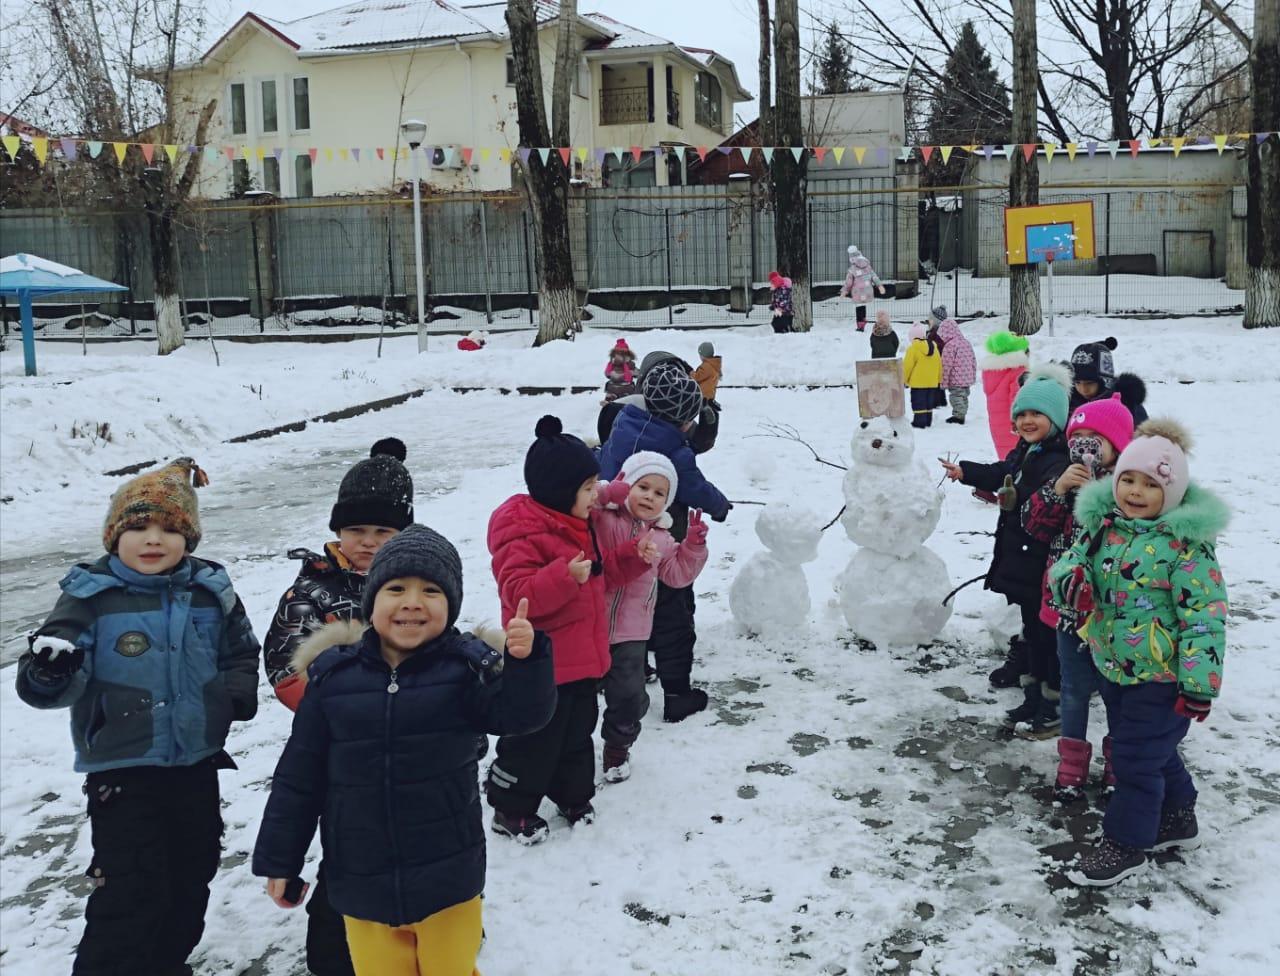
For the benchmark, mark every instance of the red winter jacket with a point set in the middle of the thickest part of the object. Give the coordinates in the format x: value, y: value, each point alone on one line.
x: 467, y: 344
x: 1000, y: 384
x: 532, y: 546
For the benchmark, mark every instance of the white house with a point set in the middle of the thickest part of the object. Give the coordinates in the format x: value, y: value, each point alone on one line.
x: 313, y: 106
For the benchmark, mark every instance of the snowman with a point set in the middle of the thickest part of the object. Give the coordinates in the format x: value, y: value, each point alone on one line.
x: 892, y: 590
x: 771, y: 593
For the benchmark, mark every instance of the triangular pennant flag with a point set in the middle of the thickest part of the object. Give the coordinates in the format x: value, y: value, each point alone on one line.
x: 619, y: 152
x: 95, y: 148
x: 121, y: 148
x: 882, y: 156
x: 926, y: 153
x: 379, y: 150
x: 467, y: 153
x: 172, y: 153
x: 746, y: 153
x: 148, y: 151
x: 1155, y: 143
x: 230, y: 153
x: 1177, y: 142
x: 858, y: 153
x: 988, y: 151
x: 565, y: 152
x: 524, y: 152
x: 724, y: 150
x: 68, y: 147
x: 1113, y: 147
x: 355, y: 153
x: 278, y: 152
x: 970, y: 149
x: 261, y: 152
x: 820, y: 153
x: 1049, y: 149
x: 679, y: 151
x: 11, y: 144
x: 945, y: 152
x: 544, y: 153
x: 767, y: 153
x: 837, y: 151
x: 485, y: 153
x: 343, y: 153
x: 1220, y: 142
x: 637, y: 152
x: 797, y: 152
x: 1091, y: 148
x: 581, y: 153
x: 328, y: 154
x: 192, y: 150
x: 1028, y: 150
x: 702, y: 153
x: 1071, y: 151
x: 1134, y: 146
x: 244, y: 151
x: 1009, y: 147
x: 312, y: 153
x: 210, y: 154
x: 1243, y: 136
x: 904, y: 154
x: 504, y: 155
x: 1261, y: 137
x: 40, y: 144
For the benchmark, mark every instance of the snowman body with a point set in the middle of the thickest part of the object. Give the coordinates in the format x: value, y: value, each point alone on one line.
x: 771, y: 593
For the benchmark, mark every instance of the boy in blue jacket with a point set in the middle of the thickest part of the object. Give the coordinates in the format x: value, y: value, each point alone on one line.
x: 151, y: 650
x: 672, y: 402
x: 383, y: 755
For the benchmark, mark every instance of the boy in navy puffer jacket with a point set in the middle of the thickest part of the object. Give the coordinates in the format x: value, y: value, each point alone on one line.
x: 151, y: 650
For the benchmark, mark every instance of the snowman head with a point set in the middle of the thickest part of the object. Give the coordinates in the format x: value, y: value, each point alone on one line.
x: 790, y: 532
x: 882, y: 442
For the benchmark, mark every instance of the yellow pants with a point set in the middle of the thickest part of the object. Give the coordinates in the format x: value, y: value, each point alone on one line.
x: 443, y: 944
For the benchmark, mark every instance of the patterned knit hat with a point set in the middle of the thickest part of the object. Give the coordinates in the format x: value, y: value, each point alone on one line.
x: 1092, y: 362
x: 644, y: 463
x: 377, y: 490
x: 1109, y: 417
x: 938, y: 314
x: 1047, y: 391
x: 556, y: 465
x: 1158, y: 450
x: 421, y: 552
x: 671, y: 394
x: 166, y: 496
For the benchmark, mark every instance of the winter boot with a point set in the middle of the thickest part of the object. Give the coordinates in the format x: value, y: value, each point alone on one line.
x: 650, y: 673
x: 524, y: 830
x: 862, y: 325
x: 1047, y: 723
x: 616, y: 761
x: 1073, y: 769
x: 1108, y: 774
x: 1106, y: 863
x: 1030, y: 706
x: 583, y: 813
x: 1016, y: 662
x: 678, y: 707
x: 955, y: 420
x: 1178, y: 830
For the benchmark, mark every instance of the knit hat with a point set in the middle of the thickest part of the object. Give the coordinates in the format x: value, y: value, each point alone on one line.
x: 1047, y: 391
x: 1092, y: 362
x: 917, y: 331
x: 853, y: 250
x: 556, y: 465
x: 671, y: 394
x: 421, y: 552
x: 651, y: 462
x: 1109, y: 417
x: 938, y: 314
x: 478, y: 336
x: 377, y: 490
x: 167, y: 496
x: 1002, y: 343
x: 1158, y: 450
x: 706, y: 350
x: 657, y: 358
x: 622, y: 345
x: 775, y: 280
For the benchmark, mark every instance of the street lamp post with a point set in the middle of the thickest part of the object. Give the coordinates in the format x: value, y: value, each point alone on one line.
x: 414, y: 132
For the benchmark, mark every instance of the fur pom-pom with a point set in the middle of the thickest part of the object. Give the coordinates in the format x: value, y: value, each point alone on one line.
x: 1002, y: 343
x: 391, y: 446
x: 548, y: 426
x: 491, y: 634
x: 1110, y: 342
x: 1133, y: 392
x: 1058, y: 372
x: 1168, y: 428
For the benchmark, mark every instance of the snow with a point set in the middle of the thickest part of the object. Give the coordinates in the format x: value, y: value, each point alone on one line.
x: 771, y: 593
x: 835, y: 810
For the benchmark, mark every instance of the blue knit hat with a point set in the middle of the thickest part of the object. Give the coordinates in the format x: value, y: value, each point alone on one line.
x: 1046, y: 391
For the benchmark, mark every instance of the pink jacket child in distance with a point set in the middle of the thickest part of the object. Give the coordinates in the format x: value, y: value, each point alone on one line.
x: 677, y: 564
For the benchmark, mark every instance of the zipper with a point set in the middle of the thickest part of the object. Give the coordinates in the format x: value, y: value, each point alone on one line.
x: 393, y: 686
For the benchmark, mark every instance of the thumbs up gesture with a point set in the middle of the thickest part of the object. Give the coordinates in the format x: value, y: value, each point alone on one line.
x: 648, y: 548
x: 1007, y: 496
x: 580, y: 567
x: 520, y: 632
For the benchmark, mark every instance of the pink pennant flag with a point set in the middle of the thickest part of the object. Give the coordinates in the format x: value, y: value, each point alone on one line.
x: 926, y: 152
x: 1028, y: 150
x: 820, y: 152
x: 230, y: 153
x: 636, y: 153
x: 313, y: 152
x: 148, y: 151
x: 564, y: 152
x: 379, y: 151
x: 467, y: 153
x: 1134, y: 146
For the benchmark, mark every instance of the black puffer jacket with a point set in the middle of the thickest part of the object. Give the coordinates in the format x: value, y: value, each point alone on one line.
x: 1133, y: 394
x: 386, y: 760
x: 1018, y: 562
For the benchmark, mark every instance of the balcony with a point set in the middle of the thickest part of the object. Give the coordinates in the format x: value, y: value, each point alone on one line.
x: 673, y: 108
x: 625, y: 106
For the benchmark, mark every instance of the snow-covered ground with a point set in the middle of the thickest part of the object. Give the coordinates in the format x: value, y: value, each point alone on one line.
x: 836, y: 810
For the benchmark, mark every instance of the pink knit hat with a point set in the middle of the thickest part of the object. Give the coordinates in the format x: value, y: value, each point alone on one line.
x: 917, y: 331
x: 775, y: 279
x: 1109, y: 417
x: 1158, y: 450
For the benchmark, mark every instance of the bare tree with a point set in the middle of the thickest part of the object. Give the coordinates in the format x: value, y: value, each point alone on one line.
x: 1024, y: 174
x: 1262, y: 299
x: 790, y: 197
x: 765, y: 133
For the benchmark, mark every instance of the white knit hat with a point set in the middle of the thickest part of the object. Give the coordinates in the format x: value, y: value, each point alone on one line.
x: 651, y: 462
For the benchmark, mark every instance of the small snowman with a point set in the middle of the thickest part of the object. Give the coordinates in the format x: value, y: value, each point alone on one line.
x: 771, y: 592
x: 892, y: 590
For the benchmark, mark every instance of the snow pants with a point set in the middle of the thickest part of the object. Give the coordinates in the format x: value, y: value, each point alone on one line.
x: 673, y: 637
x: 1080, y: 679
x: 443, y: 944
x: 626, y: 698
x: 157, y: 841
x: 558, y: 761
x: 1042, y: 646
x: 923, y: 400
x: 782, y: 323
x: 327, y: 952
x: 1150, y: 777
x: 959, y: 397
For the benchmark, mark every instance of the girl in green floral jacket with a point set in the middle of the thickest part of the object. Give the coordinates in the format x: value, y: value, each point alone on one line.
x: 1145, y: 581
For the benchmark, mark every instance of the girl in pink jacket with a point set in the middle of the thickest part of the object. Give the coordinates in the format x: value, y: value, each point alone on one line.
x: 1006, y: 359
x: 858, y: 284
x: 634, y: 507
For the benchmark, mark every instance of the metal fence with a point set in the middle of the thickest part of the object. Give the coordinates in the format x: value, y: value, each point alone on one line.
x: 679, y: 255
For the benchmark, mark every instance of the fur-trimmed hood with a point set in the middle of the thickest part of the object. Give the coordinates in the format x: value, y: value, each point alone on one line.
x: 348, y: 633
x: 1010, y: 360
x: 1201, y: 517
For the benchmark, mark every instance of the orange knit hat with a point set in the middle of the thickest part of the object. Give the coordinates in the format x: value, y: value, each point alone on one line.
x: 166, y: 495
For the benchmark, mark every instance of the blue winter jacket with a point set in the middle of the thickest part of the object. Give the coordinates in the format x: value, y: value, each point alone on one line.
x: 386, y: 760
x: 170, y: 661
x: 638, y: 430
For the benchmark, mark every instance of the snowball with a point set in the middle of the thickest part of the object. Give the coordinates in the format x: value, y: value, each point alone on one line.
x: 769, y: 596
x: 790, y: 532
x: 895, y: 602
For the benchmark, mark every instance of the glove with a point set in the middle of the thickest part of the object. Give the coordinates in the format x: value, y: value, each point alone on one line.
x: 613, y: 492
x: 1007, y: 496
x: 1077, y: 592
x: 54, y: 656
x: 723, y: 515
x: 697, y: 534
x: 1196, y: 709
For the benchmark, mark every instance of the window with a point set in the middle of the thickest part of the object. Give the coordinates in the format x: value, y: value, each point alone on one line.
x: 707, y: 101
x: 301, y: 104
x: 269, y: 114
x: 271, y: 175
x: 238, y: 122
x: 241, y: 182
x: 511, y: 71
x: 302, y: 176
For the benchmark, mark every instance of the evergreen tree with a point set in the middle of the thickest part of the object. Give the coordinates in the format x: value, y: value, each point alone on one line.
x: 971, y: 106
x: 835, y: 63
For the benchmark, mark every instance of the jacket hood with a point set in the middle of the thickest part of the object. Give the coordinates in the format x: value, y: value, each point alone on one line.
x: 949, y: 329
x: 85, y: 580
x: 520, y: 516
x: 1133, y: 392
x: 1008, y: 360
x: 336, y: 634
x: 1201, y: 517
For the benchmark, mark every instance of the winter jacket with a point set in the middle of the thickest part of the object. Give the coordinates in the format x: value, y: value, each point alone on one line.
x: 1161, y: 602
x: 707, y: 376
x: 1133, y: 394
x: 386, y: 761
x: 327, y: 589
x: 959, y: 365
x: 532, y: 546
x: 637, y: 430
x: 780, y: 300
x: 1018, y: 560
x: 1048, y: 518
x: 170, y: 661
x: 922, y: 365
x: 861, y: 279
x: 626, y: 365
x: 467, y: 344
x: 631, y: 605
x: 884, y: 346
x: 1000, y: 384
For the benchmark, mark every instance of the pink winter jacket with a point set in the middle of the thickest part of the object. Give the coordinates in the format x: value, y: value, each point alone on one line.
x: 959, y: 367
x: 1000, y: 384
x: 860, y: 280
x: 630, y: 607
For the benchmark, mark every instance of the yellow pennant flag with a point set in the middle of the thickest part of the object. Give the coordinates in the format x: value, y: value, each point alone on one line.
x: 1220, y: 142
x: 858, y: 153
x: 41, y: 146
x: 1155, y: 143
x: 260, y: 152
x: 1243, y: 136
x: 244, y: 152
x: 837, y: 151
x: 11, y: 144
x: 172, y: 153
x: 970, y: 149
x: 121, y: 148
x: 1071, y: 151
x: 1177, y: 142
x: 328, y: 153
x: 504, y: 155
x: 485, y: 153
x: 582, y: 153
x: 1049, y: 149
x: 946, y: 154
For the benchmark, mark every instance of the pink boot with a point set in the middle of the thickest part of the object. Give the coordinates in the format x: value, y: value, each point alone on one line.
x: 1073, y: 769
x: 862, y: 325
x: 1108, y: 774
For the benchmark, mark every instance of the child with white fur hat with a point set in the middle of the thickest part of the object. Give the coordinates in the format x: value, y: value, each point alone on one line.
x: 858, y: 284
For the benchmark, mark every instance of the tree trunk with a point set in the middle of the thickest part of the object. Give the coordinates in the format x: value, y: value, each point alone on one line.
x: 790, y: 197
x: 1024, y: 176
x: 1262, y: 228
x: 546, y: 184
x: 764, y: 133
x: 170, y: 331
x: 565, y: 70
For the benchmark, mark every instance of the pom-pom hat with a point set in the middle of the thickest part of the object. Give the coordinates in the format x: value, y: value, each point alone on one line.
x: 1092, y: 362
x: 1109, y: 417
x: 377, y: 490
x: 1158, y: 450
x: 1002, y: 343
x: 556, y: 465
x: 166, y: 496
x: 917, y: 331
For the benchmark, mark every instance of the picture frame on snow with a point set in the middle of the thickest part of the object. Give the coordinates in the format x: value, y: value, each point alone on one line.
x: 879, y: 384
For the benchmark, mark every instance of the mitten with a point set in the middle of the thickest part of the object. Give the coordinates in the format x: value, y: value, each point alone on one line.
x: 613, y: 492
x: 723, y: 515
x: 1007, y: 496
x: 1196, y: 709
x: 53, y: 656
x: 697, y: 534
x: 1077, y: 592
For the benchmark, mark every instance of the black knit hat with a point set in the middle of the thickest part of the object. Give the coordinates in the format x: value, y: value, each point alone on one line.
x: 671, y: 394
x: 556, y: 465
x: 421, y: 552
x: 1092, y: 362
x: 377, y: 490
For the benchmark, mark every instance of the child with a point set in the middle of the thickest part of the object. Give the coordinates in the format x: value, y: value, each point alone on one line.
x: 858, y: 282
x: 1094, y: 374
x: 1007, y: 358
x: 1145, y: 567
x: 545, y: 551
x: 672, y: 402
x: 634, y: 506
x: 382, y: 753
x: 780, y: 302
x: 959, y: 366
x: 922, y: 372
x: 375, y: 501
x: 1039, y: 414
x: 1096, y: 435
x: 709, y: 371
x: 884, y: 341
x: 151, y: 650
x: 473, y: 341
x: 620, y: 372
